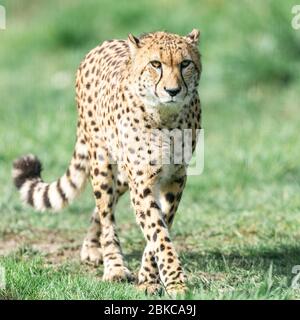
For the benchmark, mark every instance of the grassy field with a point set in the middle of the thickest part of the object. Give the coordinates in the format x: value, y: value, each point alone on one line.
x: 237, y: 229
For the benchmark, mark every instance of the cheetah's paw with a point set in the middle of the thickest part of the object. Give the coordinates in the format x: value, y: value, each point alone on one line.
x: 150, y: 288
x: 178, y: 289
x: 118, y: 274
x: 91, y: 254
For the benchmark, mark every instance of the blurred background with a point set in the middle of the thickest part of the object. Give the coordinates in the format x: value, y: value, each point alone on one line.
x: 245, y: 204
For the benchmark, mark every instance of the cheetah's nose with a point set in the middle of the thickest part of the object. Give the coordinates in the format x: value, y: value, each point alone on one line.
x: 172, y: 91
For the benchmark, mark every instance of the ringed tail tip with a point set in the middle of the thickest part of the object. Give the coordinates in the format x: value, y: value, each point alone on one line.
x: 25, y: 168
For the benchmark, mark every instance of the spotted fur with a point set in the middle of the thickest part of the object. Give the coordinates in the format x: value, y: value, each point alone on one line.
x: 128, y: 92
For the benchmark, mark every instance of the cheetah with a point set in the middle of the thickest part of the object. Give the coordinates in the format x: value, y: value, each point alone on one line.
x: 128, y: 93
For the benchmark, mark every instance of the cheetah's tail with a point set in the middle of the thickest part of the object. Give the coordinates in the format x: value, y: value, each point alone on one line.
x: 50, y: 196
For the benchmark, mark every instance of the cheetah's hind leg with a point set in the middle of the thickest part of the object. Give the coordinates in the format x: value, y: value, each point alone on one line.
x: 91, y: 252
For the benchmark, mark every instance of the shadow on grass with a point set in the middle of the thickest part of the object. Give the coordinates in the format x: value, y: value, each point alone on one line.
x: 257, y: 259
x: 282, y: 258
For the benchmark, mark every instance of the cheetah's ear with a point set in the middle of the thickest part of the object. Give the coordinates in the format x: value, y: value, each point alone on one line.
x: 134, y: 43
x: 193, y: 37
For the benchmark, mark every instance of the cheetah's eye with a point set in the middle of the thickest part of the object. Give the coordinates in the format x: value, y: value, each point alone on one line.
x: 155, y: 64
x: 185, y: 63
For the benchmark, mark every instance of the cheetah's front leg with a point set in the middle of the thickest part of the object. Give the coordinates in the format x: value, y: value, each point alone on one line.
x: 169, y: 198
x: 103, y: 176
x: 150, y: 218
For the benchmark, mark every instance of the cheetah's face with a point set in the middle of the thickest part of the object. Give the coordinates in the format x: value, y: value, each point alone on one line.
x: 165, y: 67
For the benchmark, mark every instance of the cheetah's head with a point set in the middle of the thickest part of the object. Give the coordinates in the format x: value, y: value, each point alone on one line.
x: 165, y: 67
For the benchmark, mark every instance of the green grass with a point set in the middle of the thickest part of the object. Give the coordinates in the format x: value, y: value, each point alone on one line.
x: 238, y: 227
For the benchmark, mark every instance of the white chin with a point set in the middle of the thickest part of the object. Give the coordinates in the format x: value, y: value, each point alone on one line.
x: 168, y: 102
x: 171, y: 103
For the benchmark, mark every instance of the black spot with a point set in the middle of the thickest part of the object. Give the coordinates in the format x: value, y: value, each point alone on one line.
x: 153, y: 204
x: 180, y: 181
x: 110, y: 205
x: 160, y: 223
x: 68, y: 172
x: 146, y: 192
x: 97, y: 221
x: 170, y: 197
x: 155, y: 236
x: 97, y: 194
x: 79, y: 167
x: 142, y: 215
x: 104, y: 186
x: 104, y: 214
x: 110, y: 190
